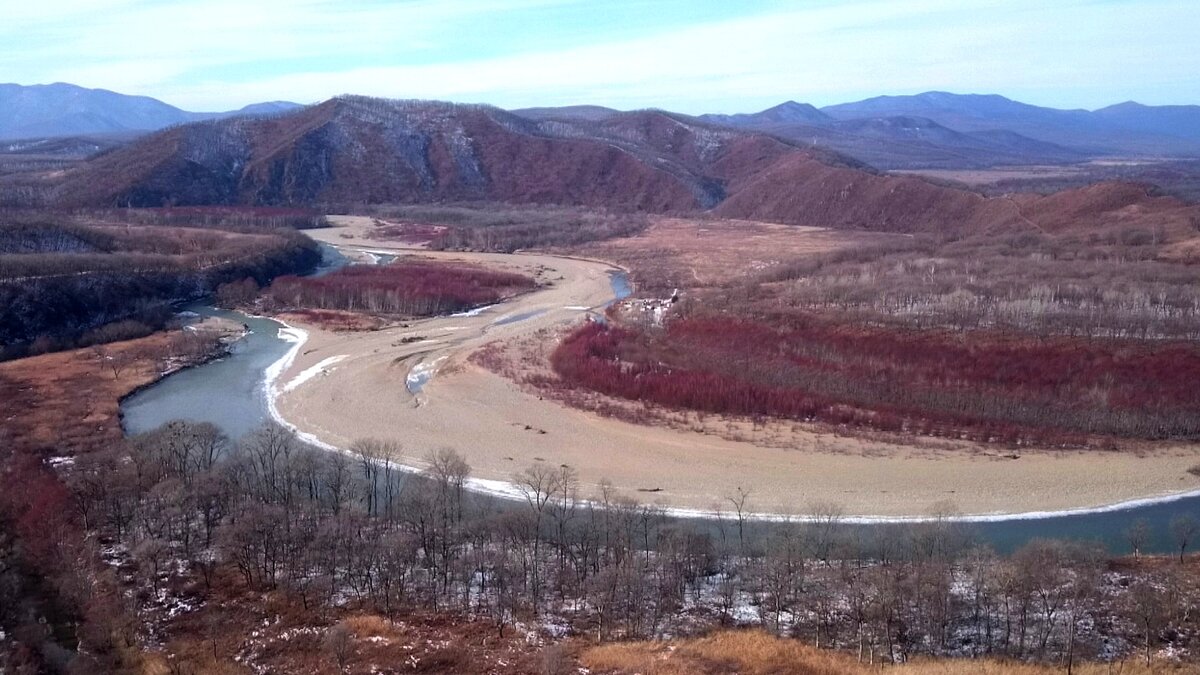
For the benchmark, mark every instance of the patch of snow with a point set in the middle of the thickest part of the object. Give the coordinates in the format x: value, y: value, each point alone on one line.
x: 421, y: 374
x: 473, y: 312
x: 178, y: 606
x: 307, y: 374
x: 555, y: 627
x: 297, y: 337
x: 296, y: 632
x: 114, y: 554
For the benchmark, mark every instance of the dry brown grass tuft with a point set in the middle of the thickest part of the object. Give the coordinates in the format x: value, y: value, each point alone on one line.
x: 758, y: 653
x: 369, y: 625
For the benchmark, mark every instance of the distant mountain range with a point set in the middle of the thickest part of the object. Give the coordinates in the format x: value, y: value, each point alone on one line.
x: 902, y: 141
x: 934, y: 130
x: 782, y: 114
x: 358, y: 150
x: 949, y: 131
x: 56, y: 110
x: 791, y: 163
x: 363, y: 150
x: 1127, y: 128
x: 938, y: 130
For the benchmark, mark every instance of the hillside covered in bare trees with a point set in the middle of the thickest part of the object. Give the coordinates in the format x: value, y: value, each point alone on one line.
x: 70, y: 280
x: 359, y: 151
x: 186, y: 527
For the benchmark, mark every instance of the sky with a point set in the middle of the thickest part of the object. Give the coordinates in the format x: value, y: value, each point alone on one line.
x: 692, y: 56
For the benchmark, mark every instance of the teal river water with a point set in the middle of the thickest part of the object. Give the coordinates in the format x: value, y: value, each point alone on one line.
x: 230, y: 393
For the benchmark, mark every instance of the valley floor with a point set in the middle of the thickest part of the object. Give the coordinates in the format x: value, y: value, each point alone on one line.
x: 346, y: 386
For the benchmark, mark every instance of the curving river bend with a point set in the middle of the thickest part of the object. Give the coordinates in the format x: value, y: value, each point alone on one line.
x: 231, y: 393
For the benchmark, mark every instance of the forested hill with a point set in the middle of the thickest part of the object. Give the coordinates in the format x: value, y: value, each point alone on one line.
x: 66, y: 283
x: 355, y: 150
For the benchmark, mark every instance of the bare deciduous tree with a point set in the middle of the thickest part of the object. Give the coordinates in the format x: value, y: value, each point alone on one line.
x: 1183, y: 530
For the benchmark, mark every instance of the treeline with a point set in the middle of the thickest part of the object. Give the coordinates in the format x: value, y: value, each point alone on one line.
x: 506, y: 229
x: 35, y: 248
x: 988, y: 387
x: 21, y: 184
x: 32, y: 236
x: 1111, y: 283
x: 219, y: 217
x: 1179, y: 178
x: 352, y: 531
x: 404, y: 288
x: 61, y: 282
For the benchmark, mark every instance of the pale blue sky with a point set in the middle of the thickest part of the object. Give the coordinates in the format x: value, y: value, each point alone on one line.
x: 688, y: 55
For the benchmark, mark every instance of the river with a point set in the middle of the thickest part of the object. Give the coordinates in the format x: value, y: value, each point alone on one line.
x: 230, y: 392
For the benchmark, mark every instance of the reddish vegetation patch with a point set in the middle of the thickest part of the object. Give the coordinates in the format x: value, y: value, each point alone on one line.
x: 982, y: 386
x: 407, y: 288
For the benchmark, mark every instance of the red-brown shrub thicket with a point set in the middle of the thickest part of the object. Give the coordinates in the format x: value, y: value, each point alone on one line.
x: 982, y: 386
x: 407, y: 288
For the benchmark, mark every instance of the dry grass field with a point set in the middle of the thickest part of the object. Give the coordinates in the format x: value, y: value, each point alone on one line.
x: 692, y: 253
x: 758, y: 653
x: 70, y: 400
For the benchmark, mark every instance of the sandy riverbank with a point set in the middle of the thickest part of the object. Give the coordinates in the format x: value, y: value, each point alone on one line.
x: 354, y: 386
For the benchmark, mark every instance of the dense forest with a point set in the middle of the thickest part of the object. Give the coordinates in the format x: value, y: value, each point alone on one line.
x: 72, y: 281
x: 178, y: 515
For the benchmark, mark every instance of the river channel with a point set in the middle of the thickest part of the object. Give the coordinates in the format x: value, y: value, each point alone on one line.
x: 231, y: 393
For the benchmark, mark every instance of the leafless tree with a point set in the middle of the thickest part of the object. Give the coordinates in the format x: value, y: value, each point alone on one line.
x: 738, y: 500
x: 371, y: 454
x: 1145, y: 606
x: 151, y: 554
x: 824, y: 526
x: 339, y: 644
x: 1183, y: 530
x: 1137, y: 534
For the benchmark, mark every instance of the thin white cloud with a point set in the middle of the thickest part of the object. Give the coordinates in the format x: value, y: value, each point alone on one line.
x: 103, y: 37
x: 26, y: 15
x: 824, y: 53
